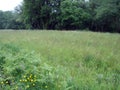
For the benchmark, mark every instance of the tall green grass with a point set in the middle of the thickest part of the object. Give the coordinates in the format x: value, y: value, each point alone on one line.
x: 90, y: 60
x: 22, y: 70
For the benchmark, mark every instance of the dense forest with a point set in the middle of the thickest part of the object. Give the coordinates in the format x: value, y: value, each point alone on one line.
x: 94, y: 15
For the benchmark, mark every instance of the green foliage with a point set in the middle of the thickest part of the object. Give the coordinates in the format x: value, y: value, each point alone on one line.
x: 40, y: 14
x: 8, y: 20
x: 24, y: 70
x: 61, y: 60
x: 73, y: 16
x: 94, y: 15
x: 107, y: 15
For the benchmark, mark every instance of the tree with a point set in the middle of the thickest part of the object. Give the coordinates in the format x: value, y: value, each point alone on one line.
x: 55, y: 20
x: 10, y: 20
x: 38, y: 13
x: 96, y: 15
x: 74, y: 14
x: 106, y: 15
x: 2, y: 20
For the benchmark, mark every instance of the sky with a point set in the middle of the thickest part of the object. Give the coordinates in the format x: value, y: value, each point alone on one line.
x: 8, y: 5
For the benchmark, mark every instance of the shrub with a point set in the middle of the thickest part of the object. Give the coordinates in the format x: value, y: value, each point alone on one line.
x: 22, y: 70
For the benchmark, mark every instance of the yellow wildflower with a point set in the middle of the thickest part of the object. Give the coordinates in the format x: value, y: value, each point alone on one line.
x: 31, y: 80
x: 27, y: 86
x: 2, y: 82
x: 24, y: 76
x: 6, y: 81
x: 46, y: 86
x: 33, y: 84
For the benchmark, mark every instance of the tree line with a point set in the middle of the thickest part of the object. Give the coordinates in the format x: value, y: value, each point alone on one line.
x: 94, y: 15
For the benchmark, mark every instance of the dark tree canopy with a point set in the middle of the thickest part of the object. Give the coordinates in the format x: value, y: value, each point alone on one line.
x: 94, y: 15
x: 10, y: 20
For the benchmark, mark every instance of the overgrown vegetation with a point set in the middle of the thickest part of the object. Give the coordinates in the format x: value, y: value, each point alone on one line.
x: 21, y: 70
x: 60, y: 60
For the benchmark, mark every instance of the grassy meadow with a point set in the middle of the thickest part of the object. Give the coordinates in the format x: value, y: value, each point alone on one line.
x: 59, y: 60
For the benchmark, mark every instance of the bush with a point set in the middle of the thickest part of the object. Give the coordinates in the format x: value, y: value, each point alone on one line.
x: 22, y: 70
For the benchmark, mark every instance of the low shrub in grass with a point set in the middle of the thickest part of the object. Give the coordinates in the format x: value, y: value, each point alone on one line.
x: 22, y: 70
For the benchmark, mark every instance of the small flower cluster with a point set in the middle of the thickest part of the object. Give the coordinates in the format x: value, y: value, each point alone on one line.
x: 29, y: 80
x: 4, y: 82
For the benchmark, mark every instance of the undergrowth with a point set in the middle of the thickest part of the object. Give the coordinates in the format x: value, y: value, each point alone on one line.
x: 60, y: 60
x: 22, y: 70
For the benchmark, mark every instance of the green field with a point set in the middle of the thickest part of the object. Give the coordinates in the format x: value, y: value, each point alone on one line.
x: 82, y: 60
